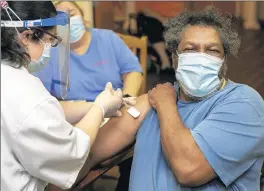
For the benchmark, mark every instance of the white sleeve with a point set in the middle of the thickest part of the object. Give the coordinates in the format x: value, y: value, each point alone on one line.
x: 49, y: 148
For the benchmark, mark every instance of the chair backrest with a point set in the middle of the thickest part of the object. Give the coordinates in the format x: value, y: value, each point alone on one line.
x: 141, y: 44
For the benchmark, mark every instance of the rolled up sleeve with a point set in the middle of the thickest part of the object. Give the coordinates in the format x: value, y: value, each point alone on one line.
x: 49, y: 148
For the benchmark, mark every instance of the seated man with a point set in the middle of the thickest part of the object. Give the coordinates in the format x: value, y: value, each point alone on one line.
x: 205, y: 133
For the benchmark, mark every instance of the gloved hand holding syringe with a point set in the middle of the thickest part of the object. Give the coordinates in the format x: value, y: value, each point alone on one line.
x: 110, y: 100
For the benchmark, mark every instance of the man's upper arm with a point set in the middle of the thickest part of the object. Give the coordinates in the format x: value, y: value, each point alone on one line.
x: 119, y: 132
x: 49, y: 148
x: 231, y: 138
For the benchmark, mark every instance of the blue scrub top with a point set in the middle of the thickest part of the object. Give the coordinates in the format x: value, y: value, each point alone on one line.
x: 106, y: 60
x: 228, y: 127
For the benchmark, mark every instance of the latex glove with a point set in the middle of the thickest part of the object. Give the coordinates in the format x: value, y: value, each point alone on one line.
x: 127, y: 102
x: 110, y: 101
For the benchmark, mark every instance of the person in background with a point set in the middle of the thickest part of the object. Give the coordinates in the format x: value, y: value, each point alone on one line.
x: 97, y: 56
x: 149, y: 21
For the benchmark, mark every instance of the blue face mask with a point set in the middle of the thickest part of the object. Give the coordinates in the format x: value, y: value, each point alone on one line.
x: 197, y: 73
x: 77, y: 29
x: 36, y: 66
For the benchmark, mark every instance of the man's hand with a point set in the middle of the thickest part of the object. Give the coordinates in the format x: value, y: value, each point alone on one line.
x: 161, y: 94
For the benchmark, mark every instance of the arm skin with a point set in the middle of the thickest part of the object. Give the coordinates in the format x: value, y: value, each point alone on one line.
x: 76, y: 110
x: 132, y: 83
x: 114, y: 136
x: 118, y: 133
x: 185, y: 158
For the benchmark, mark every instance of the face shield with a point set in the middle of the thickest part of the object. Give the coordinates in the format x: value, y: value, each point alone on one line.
x: 56, y: 73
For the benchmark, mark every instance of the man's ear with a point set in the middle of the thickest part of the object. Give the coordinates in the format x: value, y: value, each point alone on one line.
x: 25, y: 36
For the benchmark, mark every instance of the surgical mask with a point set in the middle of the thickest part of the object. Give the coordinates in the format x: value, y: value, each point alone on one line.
x: 36, y: 66
x: 197, y: 73
x: 77, y: 29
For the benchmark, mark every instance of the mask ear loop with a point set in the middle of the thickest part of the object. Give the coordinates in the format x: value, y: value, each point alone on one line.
x: 224, y: 59
x: 46, y: 45
x: 5, y: 6
x: 175, y: 56
x: 176, y: 83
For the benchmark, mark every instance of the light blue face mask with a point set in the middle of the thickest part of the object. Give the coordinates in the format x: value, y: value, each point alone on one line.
x: 36, y: 66
x: 197, y: 73
x: 77, y: 28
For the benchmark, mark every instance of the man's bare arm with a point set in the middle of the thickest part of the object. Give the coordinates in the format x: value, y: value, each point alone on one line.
x: 118, y: 133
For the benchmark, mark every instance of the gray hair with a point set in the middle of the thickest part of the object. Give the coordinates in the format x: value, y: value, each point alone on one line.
x: 207, y: 17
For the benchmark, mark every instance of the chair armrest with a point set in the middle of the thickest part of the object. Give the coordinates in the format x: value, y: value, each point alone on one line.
x: 103, y: 167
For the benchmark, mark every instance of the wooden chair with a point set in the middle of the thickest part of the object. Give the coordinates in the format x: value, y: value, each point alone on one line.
x: 141, y: 45
x: 135, y: 44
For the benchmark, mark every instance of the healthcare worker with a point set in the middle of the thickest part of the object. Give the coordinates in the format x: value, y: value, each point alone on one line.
x: 96, y: 57
x: 38, y: 145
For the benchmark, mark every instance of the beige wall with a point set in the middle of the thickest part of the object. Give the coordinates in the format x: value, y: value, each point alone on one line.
x: 104, y: 15
x: 250, y: 17
x: 87, y: 7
